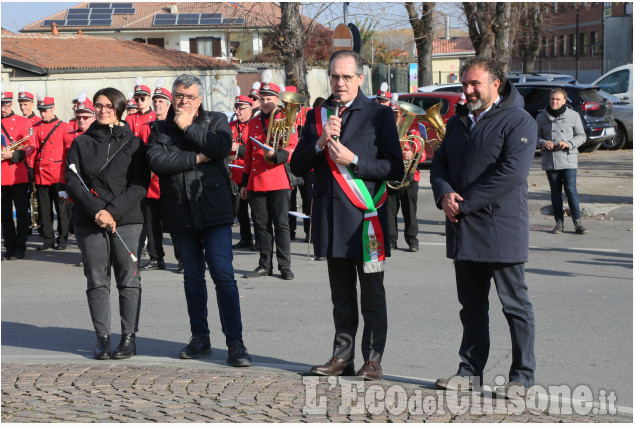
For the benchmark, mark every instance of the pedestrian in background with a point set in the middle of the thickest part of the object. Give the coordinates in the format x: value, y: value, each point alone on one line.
x: 560, y: 132
x: 111, y: 161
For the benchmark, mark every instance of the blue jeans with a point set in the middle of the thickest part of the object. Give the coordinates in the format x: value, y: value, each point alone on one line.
x: 214, y: 247
x: 558, y: 178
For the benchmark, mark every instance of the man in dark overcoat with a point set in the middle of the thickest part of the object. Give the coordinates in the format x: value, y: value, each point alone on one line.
x: 353, y: 155
x: 479, y: 179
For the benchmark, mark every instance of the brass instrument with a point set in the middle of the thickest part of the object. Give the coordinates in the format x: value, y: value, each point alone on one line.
x: 280, y: 129
x: 408, y: 113
x: 433, y: 117
x: 16, y: 146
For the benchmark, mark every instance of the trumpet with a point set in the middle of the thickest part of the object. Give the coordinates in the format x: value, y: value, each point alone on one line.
x: 408, y: 113
x: 16, y: 146
x: 280, y: 130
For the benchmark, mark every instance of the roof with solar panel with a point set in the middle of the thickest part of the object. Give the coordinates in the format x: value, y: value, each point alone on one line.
x: 159, y: 16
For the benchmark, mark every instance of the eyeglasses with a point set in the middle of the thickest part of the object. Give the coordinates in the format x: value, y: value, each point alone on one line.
x: 241, y: 109
x: 99, y: 106
x: 82, y: 118
x: 190, y: 97
x: 140, y: 98
x: 346, y: 78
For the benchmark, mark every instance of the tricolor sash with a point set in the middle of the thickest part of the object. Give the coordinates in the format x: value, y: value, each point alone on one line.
x: 357, y: 192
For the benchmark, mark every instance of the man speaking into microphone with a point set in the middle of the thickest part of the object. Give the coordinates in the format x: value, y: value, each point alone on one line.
x: 353, y: 155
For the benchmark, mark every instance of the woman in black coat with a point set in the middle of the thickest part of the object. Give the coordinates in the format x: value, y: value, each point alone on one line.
x: 107, y: 178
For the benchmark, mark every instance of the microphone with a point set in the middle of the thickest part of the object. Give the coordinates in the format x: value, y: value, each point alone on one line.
x: 337, y: 103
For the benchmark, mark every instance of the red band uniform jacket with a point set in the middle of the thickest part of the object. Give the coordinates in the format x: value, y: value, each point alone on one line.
x: 48, y: 159
x: 240, y: 134
x: 14, y: 170
x: 261, y: 176
x: 136, y: 121
x: 154, y: 192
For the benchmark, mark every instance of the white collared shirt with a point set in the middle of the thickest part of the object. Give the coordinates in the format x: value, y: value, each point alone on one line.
x: 474, y: 120
x: 317, y: 148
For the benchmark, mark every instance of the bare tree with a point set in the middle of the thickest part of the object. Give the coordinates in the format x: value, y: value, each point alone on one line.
x: 292, y: 46
x: 479, y: 16
x: 423, y: 29
x: 531, y: 38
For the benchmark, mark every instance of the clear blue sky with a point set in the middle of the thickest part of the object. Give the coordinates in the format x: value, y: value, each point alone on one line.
x: 15, y: 15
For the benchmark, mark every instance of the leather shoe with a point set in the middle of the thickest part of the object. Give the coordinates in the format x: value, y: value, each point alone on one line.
x: 179, y: 267
x: 18, y: 255
x: 256, y: 247
x: 413, y: 247
x: 260, y: 271
x: 335, y: 367
x: 456, y: 383
x: 243, y: 244
x: 126, y: 347
x: 102, y: 349
x: 371, y: 371
x: 393, y: 244
x: 61, y: 245
x: 287, y: 274
x: 46, y: 245
x: 154, y: 264
x: 198, y: 346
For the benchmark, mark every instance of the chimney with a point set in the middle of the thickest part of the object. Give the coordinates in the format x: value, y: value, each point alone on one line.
x: 447, y: 27
x: 54, y: 31
x: 80, y: 33
x: 174, y: 9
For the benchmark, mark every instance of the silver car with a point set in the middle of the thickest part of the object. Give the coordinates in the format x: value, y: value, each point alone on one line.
x: 623, y: 113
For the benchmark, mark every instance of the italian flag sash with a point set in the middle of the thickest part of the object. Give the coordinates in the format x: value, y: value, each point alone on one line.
x: 356, y: 192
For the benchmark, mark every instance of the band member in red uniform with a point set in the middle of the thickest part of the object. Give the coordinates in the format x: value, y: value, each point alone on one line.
x: 25, y: 99
x: 131, y: 106
x: 48, y: 165
x: 144, y: 113
x: 407, y: 196
x: 240, y: 138
x: 383, y: 95
x: 15, y: 181
x: 255, y: 97
x: 161, y: 101
x: 266, y: 185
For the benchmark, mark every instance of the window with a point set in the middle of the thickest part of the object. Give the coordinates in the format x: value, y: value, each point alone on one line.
x: 617, y: 82
x: 536, y: 99
x: 573, y: 44
x: 563, y: 45
x: 585, y: 43
x: 555, y: 46
x: 428, y: 102
x: 206, y: 46
x: 156, y: 42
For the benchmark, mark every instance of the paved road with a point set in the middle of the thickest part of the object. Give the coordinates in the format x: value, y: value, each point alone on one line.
x: 581, y: 288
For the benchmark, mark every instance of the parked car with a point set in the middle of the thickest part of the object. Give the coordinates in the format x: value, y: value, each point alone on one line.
x: 618, y: 82
x: 448, y: 101
x: 623, y: 114
x: 594, y: 109
x: 453, y: 87
x: 516, y: 77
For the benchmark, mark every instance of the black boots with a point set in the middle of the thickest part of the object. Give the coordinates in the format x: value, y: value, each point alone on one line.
x: 102, y: 349
x: 126, y: 347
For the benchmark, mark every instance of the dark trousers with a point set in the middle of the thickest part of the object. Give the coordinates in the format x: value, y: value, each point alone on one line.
x: 154, y: 229
x: 243, y: 220
x: 271, y: 214
x: 100, y: 250
x: 211, y: 246
x: 343, y: 273
x: 47, y: 197
x: 306, y: 190
x: 473, y: 284
x: 557, y: 180
x: 407, y: 199
x: 15, y: 237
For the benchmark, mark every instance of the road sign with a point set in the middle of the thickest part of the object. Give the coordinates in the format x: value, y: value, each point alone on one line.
x: 342, y: 38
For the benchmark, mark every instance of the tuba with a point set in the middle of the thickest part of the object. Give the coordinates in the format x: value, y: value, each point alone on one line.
x: 408, y: 113
x: 280, y: 129
x: 433, y: 117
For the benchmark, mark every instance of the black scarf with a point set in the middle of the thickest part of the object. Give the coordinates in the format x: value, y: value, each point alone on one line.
x: 556, y: 112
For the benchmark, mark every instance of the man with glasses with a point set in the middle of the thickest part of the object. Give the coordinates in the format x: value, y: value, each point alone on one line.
x: 240, y: 136
x: 266, y: 185
x: 144, y: 112
x: 353, y: 155
x: 15, y: 181
x: 187, y: 151
x: 161, y: 101
x: 48, y: 168
x: 255, y: 98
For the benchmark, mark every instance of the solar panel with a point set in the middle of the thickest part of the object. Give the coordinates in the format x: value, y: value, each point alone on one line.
x: 188, y: 19
x: 211, y: 21
x: 234, y: 21
x: 164, y: 19
x: 211, y: 16
x: 124, y: 11
x: 122, y: 5
x: 99, y: 5
x: 49, y: 22
x: 77, y: 22
x: 77, y: 13
x: 99, y: 22
x: 101, y: 16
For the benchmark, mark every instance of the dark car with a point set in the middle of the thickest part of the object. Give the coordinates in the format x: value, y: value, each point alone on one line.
x: 425, y: 101
x: 594, y: 109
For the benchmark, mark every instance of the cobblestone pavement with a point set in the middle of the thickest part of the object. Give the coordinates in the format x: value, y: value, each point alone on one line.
x: 129, y: 393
